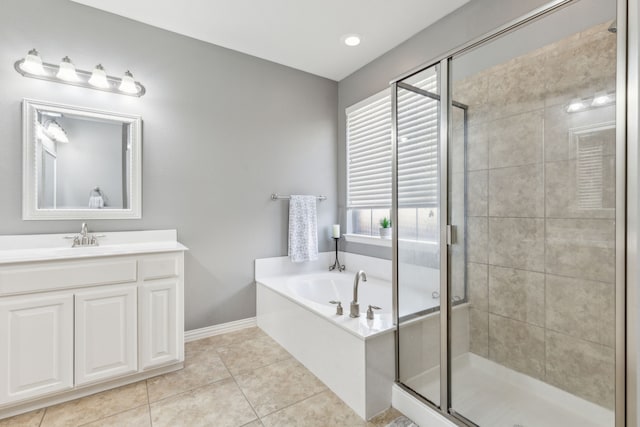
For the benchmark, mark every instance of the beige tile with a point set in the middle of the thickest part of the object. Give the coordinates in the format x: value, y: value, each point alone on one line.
x: 478, y: 286
x: 473, y: 91
x: 517, y: 294
x: 201, y: 367
x: 581, y: 368
x: 583, y: 248
x: 30, y: 419
x: 581, y: 308
x: 516, y: 87
x: 580, y: 68
x: 477, y: 193
x: 97, y: 406
x: 256, y: 423
x: 477, y: 147
x: 322, y: 410
x: 517, y: 243
x: 384, y: 418
x: 252, y: 354
x: 137, y: 417
x: 479, y: 332
x: 516, y: 140
x: 477, y: 234
x: 517, y: 345
x: 457, y: 145
x: 278, y: 385
x: 457, y: 266
x: 517, y: 192
x: 224, y: 340
x: 220, y: 404
x: 594, y: 197
x: 561, y: 128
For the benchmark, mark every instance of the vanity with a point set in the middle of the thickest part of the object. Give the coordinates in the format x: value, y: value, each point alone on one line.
x: 79, y: 320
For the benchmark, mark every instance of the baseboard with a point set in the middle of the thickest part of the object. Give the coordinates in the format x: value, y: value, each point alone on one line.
x: 223, y: 328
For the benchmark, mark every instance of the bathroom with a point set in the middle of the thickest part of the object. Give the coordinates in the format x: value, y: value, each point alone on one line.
x: 540, y: 264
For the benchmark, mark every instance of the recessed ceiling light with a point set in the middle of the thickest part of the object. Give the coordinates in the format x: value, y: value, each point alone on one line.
x: 351, y: 39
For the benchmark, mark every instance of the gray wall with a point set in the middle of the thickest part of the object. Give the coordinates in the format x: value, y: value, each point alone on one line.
x: 222, y: 131
x: 92, y: 158
x: 470, y: 21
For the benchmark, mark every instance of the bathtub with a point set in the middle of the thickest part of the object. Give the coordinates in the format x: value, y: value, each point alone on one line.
x: 354, y: 357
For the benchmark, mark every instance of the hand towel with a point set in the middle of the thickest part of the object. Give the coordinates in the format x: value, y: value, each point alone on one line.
x: 303, y: 229
x: 96, y: 202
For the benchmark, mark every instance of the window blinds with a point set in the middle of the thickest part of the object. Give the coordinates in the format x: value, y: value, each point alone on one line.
x: 369, y: 154
x: 369, y: 150
x: 418, y: 146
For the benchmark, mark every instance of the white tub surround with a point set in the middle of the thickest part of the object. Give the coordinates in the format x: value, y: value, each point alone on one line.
x: 354, y: 357
x: 75, y: 321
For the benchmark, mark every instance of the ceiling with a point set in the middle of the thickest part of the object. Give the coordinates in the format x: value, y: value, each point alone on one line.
x: 303, y: 34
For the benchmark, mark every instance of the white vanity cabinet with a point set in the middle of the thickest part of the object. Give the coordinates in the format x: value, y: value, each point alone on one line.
x: 36, y: 338
x: 160, y: 337
x: 106, y: 333
x: 76, y: 322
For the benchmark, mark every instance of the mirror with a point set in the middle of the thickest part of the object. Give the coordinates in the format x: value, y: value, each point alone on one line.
x: 80, y: 163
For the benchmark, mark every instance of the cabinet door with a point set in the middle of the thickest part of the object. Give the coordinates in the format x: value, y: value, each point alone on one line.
x: 106, y: 333
x: 36, y: 345
x: 160, y: 332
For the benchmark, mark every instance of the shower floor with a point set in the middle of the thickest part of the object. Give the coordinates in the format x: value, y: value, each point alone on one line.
x: 491, y: 395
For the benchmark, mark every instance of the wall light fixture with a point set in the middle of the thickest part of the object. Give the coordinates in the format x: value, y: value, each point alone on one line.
x: 600, y: 99
x: 33, y: 66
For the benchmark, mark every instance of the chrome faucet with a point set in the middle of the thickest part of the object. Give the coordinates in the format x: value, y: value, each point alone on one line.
x: 84, y: 238
x: 355, y: 307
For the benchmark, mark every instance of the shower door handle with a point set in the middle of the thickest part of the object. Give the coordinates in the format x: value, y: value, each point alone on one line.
x: 451, y: 235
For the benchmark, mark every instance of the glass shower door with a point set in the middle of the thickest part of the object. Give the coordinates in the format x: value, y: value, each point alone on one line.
x: 417, y: 225
x: 539, y: 223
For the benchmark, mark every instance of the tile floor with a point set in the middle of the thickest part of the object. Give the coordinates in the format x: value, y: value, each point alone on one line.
x: 242, y: 378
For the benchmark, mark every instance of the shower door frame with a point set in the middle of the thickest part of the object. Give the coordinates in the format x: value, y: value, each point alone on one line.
x: 627, y: 175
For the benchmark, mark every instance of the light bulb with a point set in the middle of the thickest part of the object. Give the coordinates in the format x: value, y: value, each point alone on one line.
x: 128, y: 85
x: 56, y: 132
x: 67, y: 70
x: 351, y: 40
x: 576, y: 105
x: 32, y: 63
x: 99, y: 77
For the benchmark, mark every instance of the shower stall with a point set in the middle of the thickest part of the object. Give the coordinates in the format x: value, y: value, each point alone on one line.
x: 510, y: 312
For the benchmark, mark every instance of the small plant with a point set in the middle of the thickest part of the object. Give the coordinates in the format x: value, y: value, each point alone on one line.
x: 385, y: 222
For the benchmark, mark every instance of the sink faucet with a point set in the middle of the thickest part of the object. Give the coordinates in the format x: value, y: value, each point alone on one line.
x: 84, y: 238
x: 84, y: 234
x: 355, y: 307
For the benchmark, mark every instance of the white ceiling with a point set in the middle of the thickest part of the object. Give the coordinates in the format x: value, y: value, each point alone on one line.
x: 303, y: 34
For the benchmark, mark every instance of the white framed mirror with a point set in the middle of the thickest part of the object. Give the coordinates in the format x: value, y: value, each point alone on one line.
x: 80, y: 163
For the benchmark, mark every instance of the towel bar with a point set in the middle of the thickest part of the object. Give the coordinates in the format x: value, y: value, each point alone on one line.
x: 276, y: 196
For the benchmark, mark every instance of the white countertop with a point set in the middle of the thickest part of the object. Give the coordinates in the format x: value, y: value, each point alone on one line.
x: 52, y: 247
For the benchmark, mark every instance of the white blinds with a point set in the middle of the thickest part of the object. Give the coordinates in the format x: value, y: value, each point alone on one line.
x: 369, y: 150
x: 369, y: 154
x: 418, y: 146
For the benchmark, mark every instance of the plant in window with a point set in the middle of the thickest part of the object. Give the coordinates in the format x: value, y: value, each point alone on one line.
x: 385, y: 228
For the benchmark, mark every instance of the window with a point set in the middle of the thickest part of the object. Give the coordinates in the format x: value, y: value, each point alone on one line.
x: 369, y: 133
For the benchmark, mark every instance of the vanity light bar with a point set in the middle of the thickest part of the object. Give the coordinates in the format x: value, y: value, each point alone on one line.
x: 33, y: 67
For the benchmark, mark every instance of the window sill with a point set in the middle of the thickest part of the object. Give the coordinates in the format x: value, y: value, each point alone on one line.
x: 411, y: 245
x: 367, y: 240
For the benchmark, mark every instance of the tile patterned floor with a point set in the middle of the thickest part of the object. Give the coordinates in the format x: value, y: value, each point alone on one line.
x: 242, y: 378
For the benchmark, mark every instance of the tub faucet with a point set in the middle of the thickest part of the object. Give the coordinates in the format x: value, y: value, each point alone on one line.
x: 355, y: 307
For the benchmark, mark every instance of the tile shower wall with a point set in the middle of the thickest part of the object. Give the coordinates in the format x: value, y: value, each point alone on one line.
x: 540, y: 214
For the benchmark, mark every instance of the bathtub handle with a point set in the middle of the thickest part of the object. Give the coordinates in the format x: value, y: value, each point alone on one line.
x: 339, y: 310
x: 370, y: 311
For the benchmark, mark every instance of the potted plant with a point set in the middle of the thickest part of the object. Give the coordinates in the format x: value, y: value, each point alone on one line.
x: 385, y: 228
